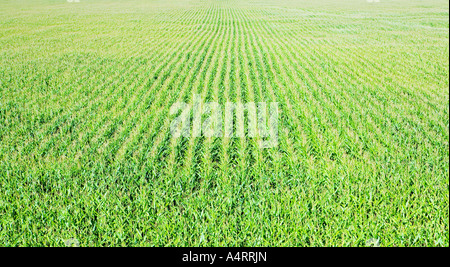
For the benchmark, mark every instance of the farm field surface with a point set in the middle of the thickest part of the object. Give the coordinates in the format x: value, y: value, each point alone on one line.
x: 86, y: 150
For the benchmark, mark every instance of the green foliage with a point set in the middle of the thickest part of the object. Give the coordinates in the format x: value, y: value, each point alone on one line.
x: 87, y: 159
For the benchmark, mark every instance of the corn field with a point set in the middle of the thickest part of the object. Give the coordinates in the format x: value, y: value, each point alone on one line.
x: 86, y: 150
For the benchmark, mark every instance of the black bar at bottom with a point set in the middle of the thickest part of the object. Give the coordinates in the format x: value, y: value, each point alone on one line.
x: 227, y: 256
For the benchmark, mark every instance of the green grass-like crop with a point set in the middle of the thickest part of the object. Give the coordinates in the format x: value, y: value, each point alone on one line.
x: 86, y: 155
